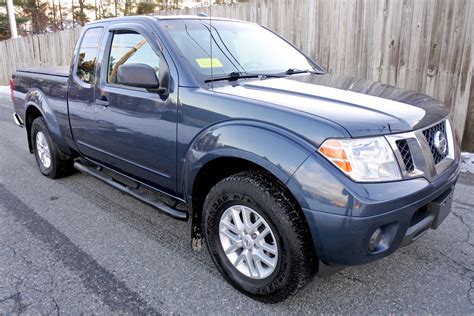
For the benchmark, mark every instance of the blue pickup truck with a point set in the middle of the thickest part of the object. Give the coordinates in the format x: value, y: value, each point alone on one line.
x: 282, y: 169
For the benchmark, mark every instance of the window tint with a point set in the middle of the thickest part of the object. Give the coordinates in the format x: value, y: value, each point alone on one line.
x: 130, y: 48
x: 88, y: 54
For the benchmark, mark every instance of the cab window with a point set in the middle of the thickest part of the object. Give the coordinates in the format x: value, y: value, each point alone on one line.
x: 130, y: 48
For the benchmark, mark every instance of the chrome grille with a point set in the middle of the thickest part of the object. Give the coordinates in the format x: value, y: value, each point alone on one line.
x: 429, y: 134
x: 405, y: 154
x: 416, y: 153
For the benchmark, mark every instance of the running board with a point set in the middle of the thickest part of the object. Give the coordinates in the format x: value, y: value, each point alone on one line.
x: 175, y: 213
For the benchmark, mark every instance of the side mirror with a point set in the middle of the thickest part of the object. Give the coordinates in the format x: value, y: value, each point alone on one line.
x: 139, y: 75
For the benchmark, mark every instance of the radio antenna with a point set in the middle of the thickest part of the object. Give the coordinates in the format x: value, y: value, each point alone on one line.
x: 210, y: 40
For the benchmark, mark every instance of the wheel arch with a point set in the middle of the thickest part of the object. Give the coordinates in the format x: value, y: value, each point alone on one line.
x: 234, y: 147
x: 32, y: 113
x: 37, y: 105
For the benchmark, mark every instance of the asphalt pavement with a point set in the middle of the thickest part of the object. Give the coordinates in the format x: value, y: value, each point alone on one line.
x: 76, y: 245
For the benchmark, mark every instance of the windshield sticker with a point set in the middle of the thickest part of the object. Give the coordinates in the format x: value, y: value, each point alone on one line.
x: 208, y: 62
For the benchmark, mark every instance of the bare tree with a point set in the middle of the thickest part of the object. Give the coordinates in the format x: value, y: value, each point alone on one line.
x: 72, y: 13
x: 53, y: 13
x: 61, y: 17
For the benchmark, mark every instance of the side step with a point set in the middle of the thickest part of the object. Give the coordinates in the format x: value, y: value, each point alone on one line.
x: 175, y: 213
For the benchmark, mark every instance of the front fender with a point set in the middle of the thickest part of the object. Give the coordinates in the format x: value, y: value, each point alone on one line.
x: 272, y: 148
x: 35, y: 99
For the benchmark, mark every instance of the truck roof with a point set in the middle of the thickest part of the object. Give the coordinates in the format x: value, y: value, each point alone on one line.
x: 193, y: 17
x: 163, y: 17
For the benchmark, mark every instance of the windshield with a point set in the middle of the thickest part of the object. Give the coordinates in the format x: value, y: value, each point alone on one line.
x: 237, y: 47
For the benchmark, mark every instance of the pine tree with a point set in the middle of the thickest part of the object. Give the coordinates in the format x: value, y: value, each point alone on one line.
x: 63, y: 14
x: 104, y: 12
x: 80, y: 12
x: 128, y: 9
x: 5, y: 23
x: 146, y: 8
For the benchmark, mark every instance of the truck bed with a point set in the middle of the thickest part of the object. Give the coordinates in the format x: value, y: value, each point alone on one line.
x: 48, y: 86
x: 62, y: 71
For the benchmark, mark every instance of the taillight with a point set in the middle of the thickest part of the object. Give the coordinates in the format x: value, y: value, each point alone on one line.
x: 12, y: 87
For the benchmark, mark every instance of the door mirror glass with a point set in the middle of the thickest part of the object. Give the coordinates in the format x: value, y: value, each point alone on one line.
x: 137, y: 75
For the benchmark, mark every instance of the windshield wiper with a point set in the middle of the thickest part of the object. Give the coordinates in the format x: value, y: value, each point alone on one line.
x: 293, y: 71
x: 235, y: 75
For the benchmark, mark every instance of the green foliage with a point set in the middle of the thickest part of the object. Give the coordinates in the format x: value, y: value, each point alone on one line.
x: 146, y: 8
x: 35, y: 11
x: 20, y: 18
x: 80, y: 12
x: 128, y: 9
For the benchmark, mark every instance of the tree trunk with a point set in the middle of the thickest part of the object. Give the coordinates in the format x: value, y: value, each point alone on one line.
x: 81, y: 12
x: 35, y: 18
x: 72, y: 12
x: 55, y: 20
x: 101, y: 9
x: 61, y: 20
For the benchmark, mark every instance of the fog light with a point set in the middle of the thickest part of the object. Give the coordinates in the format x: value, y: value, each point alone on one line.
x: 375, y: 239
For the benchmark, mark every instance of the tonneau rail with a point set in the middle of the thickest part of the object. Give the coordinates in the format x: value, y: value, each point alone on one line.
x: 53, y: 71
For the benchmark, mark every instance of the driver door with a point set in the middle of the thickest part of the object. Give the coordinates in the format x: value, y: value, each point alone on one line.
x: 135, y: 128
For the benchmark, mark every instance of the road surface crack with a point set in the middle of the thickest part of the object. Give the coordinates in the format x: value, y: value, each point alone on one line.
x: 58, y: 310
x: 470, y: 293
x: 17, y: 299
x: 112, y: 291
x: 352, y: 278
x: 469, y: 229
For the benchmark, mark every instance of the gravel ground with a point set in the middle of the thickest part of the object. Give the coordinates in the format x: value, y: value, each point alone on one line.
x: 76, y: 245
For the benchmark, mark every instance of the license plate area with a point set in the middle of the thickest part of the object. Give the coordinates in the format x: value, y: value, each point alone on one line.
x: 441, y: 206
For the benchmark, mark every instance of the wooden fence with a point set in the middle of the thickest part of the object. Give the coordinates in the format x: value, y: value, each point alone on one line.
x: 50, y: 49
x: 422, y: 45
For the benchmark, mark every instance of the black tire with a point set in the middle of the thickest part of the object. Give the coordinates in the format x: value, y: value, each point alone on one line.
x: 296, y: 257
x: 61, y: 164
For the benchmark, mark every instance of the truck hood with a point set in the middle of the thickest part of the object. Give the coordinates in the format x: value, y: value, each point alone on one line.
x: 361, y: 106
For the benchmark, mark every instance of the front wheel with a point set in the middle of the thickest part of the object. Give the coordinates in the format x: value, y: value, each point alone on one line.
x: 52, y: 162
x: 257, y: 237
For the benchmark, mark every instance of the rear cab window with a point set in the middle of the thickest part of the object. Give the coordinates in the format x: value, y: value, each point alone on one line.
x: 87, y: 57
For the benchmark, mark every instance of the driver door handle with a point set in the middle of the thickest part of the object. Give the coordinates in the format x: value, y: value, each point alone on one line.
x: 102, y: 101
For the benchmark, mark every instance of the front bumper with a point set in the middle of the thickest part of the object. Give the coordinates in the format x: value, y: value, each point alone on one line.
x: 342, y: 239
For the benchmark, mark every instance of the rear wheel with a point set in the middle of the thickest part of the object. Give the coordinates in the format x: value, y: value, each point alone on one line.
x: 52, y: 162
x: 257, y: 237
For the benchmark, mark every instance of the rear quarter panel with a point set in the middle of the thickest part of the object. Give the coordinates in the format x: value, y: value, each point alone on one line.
x: 48, y: 94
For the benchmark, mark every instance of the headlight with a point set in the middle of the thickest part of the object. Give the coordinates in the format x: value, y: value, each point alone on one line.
x: 364, y: 159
